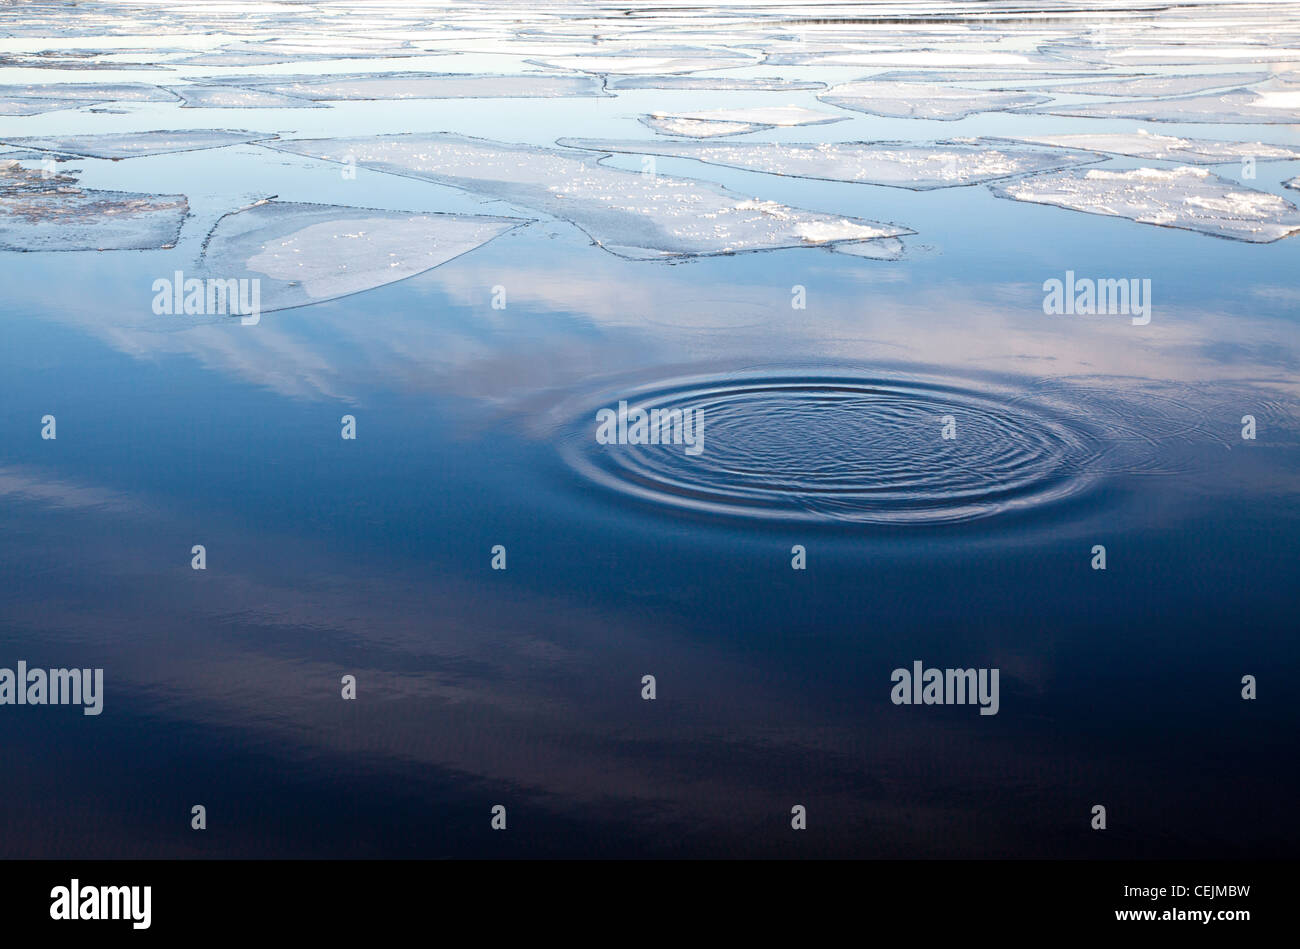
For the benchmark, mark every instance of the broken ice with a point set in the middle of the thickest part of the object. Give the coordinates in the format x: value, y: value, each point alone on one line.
x: 204, y: 96
x: 1183, y: 54
x: 1159, y: 85
x: 640, y: 65
x: 699, y: 128
x: 301, y: 49
x: 714, y: 83
x: 911, y: 100
x: 118, y: 145
x: 885, y: 248
x: 1279, y: 106
x: 909, y: 58
x: 425, y: 86
x: 1189, y: 198
x: 42, y: 212
x: 307, y: 253
x: 33, y: 106
x: 38, y: 98
x: 99, y: 92
x: 644, y: 216
x: 1144, y: 144
x: 716, y: 122
x: 894, y: 164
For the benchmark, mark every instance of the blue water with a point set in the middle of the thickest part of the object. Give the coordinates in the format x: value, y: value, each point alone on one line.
x: 522, y: 687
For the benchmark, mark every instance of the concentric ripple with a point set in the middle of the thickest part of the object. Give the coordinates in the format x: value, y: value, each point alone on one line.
x: 843, y: 448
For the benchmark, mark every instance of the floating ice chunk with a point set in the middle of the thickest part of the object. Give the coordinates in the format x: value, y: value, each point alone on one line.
x: 332, y: 44
x: 230, y: 97
x: 715, y: 83
x: 303, y: 49
x: 15, y: 177
x: 90, y: 221
x: 699, y: 128
x: 18, y: 154
x: 1293, y: 183
x: 908, y: 58
x: 96, y: 91
x: 635, y: 215
x: 38, y: 98
x: 1144, y: 144
x: 981, y: 75
x: 33, y: 106
x: 1190, y: 54
x: 885, y: 248
x: 644, y: 65
x: 307, y: 253
x: 717, y: 122
x: 75, y: 59
x: 894, y: 164
x: 1187, y: 198
x: 922, y: 101
x: 1158, y: 85
x: 118, y: 145
x: 237, y: 57
x: 782, y: 115
x: 426, y: 86
x: 40, y: 212
x: 1238, y: 107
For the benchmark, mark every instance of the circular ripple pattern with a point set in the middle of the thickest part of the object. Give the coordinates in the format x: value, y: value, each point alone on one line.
x: 846, y: 449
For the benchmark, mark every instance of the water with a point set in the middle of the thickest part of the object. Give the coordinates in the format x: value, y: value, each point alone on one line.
x: 824, y: 430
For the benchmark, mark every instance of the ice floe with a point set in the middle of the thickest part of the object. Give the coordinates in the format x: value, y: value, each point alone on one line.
x: 922, y: 101
x: 644, y: 216
x: 924, y: 58
x: 715, y: 122
x: 645, y: 65
x: 17, y: 105
x: 894, y: 164
x: 714, y: 83
x: 885, y: 248
x: 308, y: 253
x: 983, y: 75
x: 1183, y: 53
x: 424, y: 86
x: 1158, y: 85
x: 44, y: 212
x: 205, y: 96
x: 699, y: 128
x: 16, y: 177
x: 782, y: 115
x: 79, y: 59
x: 1189, y: 198
x: 269, y: 53
x: 1144, y: 144
x: 94, y: 91
x: 1237, y: 107
x: 118, y: 145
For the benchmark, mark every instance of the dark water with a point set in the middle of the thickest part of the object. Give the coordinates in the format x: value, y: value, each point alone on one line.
x: 522, y: 687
